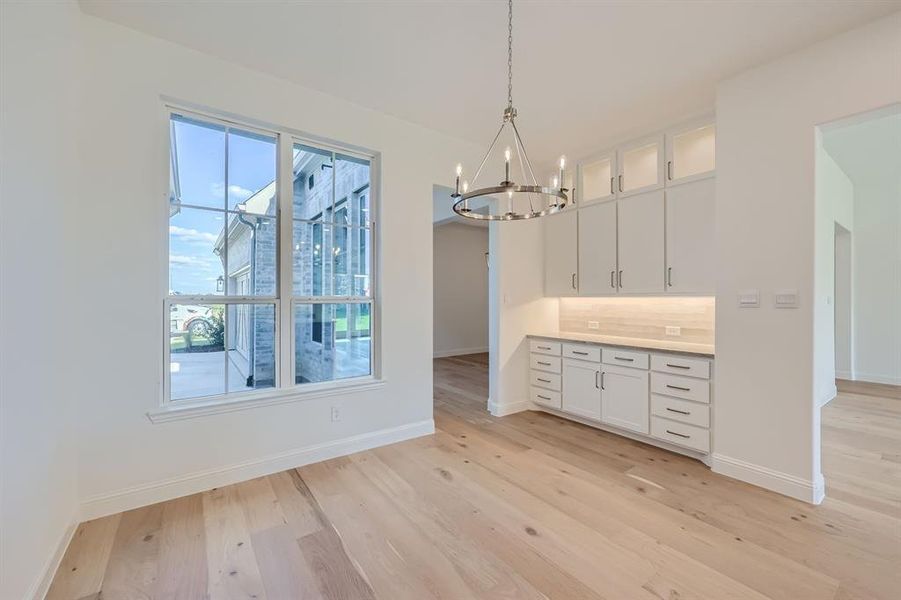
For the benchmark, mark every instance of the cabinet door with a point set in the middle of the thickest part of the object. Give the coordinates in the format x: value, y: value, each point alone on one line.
x: 597, y: 179
x: 691, y: 153
x: 581, y: 388
x: 597, y: 249
x: 625, y: 398
x: 689, y: 237
x: 640, y: 166
x: 561, y: 254
x: 640, y: 243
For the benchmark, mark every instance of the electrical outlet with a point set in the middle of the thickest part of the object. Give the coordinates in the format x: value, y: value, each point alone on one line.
x: 336, y: 414
x: 592, y: 324
x: 671, y: 330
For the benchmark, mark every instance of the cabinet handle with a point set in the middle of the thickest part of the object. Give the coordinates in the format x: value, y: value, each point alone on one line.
x: 546, y: 364
x: 596, y: 375
x: 669, y: 170
x: 544, y: 347
x: 681, y: 412
x: 677, y: 366
x: 613, y: 279
x: 681, y: 435
x: 602, y: 379
x: 580, y: 353
x: 574, y: 281
x: 624, y: 358
x: 669, y: 277
x: 620, y: 182
x: 611, y: 186
x: 619, y: 279
x: 543, y: 380
x: 543, y: 397
x: 676, y: 387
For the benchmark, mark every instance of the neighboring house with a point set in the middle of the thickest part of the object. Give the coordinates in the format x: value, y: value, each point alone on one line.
x: 331, y: 258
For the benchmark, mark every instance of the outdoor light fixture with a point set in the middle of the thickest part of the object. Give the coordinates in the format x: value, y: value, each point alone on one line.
x: 508, y: 200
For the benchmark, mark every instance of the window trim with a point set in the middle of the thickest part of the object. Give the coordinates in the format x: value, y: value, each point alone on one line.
x: 285, y: 390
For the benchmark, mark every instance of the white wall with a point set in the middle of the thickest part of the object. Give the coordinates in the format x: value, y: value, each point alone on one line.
x: 517, y: 307
x: 877, y: 279
x: 460, y: 272
x: 123, y: 458
x: 844, y: 304
x: 835, y: 204
x: 767, y: 422
x: 38, y: 492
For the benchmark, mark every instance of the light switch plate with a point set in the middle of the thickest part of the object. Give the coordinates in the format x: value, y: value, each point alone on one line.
x: 749, y: 299
x: 785, y: 299
x: 593, y: 325
x: 671, y: 330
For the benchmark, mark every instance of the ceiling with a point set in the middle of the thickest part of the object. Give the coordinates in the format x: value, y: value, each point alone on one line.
x: 867, y: 147
x: 587, y: 74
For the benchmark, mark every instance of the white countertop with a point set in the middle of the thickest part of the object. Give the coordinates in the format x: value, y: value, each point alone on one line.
x: 628, y: 342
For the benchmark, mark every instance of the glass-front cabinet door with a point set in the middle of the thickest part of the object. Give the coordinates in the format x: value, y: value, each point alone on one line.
x: 640, y: 166
x: 598, y: 177
x: 691, y: 152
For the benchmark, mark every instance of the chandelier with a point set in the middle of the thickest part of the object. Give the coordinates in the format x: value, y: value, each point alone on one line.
x: 508, y: 200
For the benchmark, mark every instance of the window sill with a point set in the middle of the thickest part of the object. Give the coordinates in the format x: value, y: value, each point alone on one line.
x: 178, y: 411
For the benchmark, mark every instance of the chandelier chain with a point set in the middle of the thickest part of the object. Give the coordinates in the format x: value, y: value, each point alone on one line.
x: 509, y: 53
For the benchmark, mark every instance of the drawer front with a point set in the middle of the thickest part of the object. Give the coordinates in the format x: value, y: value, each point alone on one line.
x: 677, y: 365
x: 542, y: 362
x: 582, y: 352
x: 544, y: 347
x: 548, y: 381
x: 546, y: 397
x: 681, y: 434
x: 681, y: 410
x: 681, y: 387
x: 626, y: 358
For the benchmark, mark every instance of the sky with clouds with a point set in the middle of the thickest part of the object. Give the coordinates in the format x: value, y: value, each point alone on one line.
x: 201, y: 157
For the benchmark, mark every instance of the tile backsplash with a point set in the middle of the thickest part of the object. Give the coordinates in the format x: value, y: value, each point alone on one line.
x: 645, y: 318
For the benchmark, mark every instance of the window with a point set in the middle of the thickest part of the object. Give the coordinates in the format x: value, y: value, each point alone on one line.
x: 236, y: 323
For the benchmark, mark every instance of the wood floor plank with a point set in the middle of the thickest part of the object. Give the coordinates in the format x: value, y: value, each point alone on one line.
x: 80, y: 573
x: 526, y: 506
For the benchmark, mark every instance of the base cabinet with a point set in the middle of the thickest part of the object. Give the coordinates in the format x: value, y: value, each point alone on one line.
x: 582, y: 388
x: 624, y: 398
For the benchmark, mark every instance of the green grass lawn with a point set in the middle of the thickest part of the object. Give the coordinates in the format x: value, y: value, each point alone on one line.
x: 362, y: 323
x: 177, y: 342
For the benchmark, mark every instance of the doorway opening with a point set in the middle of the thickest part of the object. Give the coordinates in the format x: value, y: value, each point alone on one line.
x: 858, y: 194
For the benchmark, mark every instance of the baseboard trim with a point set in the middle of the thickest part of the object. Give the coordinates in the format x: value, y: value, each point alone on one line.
x: 502, y: 410
x: 849, y: 375
x: 874, y: 378
x: 829, y: 396
x: 40, y: 587
x: 777, y: 481
x: 159, y: 491
x: 459, y: 352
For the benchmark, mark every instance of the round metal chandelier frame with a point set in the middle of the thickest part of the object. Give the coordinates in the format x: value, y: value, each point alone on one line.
x: 543, y: 200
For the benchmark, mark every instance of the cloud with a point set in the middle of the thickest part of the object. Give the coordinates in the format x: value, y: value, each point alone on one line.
x: 234, y: 191
x: 186, y: 234
x: 181, y: 260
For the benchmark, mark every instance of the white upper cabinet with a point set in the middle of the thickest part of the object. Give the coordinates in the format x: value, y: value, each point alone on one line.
x: 690, y: 210
x: 597, y: 249
x: 561, y: 266
x: 691, y: 152
x: 641, y: 243
x: 597, y: 179
x: 640, y: 166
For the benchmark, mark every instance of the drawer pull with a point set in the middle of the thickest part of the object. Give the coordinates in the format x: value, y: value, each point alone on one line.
x: 624, y: 358
x: 544, y: 347
x: 544, y: 380
x: 677, y: 366
x: 676, y: 387
x: 580, y: 353
x: 543, y: 397
x: 546, y: 364
x: 681, y: 412
x: 681, y: 435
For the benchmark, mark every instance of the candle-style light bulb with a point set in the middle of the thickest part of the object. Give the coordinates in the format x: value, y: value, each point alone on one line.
x: 459, y: 169
x: 507, y: 165
x: 562, y: 172
x: 465, y: 186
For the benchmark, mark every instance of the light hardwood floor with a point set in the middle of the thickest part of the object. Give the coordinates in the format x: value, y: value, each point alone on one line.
x: 526, y: 506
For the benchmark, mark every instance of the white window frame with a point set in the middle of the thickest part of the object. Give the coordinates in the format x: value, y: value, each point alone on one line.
x: 285, y: 390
